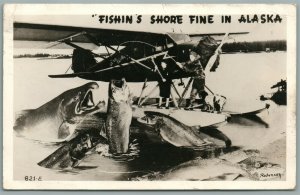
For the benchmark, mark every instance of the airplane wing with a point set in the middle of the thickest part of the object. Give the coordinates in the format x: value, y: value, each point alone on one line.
x: 55, y: 34
x: 218, y: 34
x: 140, y: 48
x: 140, y: 57
x: 42, y: 34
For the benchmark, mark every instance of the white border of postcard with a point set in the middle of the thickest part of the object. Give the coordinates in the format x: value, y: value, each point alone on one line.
x: 83, y: 9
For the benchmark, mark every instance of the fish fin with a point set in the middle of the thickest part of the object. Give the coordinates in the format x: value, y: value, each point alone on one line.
x: 72, y: 136
x: 63, y: 131
x: 103, y: 132
x: 153, y: 113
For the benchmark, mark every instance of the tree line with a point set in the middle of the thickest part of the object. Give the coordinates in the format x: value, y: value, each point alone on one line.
x: 42, y: 55
x: 255, y: 46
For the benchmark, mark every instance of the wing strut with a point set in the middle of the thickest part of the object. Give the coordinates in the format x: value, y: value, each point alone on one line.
x: 157, y: 70
x: 175, y: 89
x: 77, y: 47
x: 95, y: 41
x: 102, y: 70
x: 185, y: 90
x: 174, y: 99
x: 148, y: 95
x: 68, y: 41
x: 63, y: 40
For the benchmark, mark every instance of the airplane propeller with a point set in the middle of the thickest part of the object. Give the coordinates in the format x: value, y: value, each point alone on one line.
x: 213, y: 58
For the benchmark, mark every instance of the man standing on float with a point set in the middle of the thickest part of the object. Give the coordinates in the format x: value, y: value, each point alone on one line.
x: 199, y: 57
x: 195, y: 67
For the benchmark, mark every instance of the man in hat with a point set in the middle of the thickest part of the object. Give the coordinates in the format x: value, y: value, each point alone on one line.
x: 199, y: 58
x: 195, y: 67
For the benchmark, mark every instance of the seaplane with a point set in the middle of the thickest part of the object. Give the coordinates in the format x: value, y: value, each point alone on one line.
x: 139, y: 56
x: 279, y: 97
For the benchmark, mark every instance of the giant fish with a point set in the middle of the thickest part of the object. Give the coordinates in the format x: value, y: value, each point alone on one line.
x: 206, y: 170
x: 180, y: 135
x: 119, y: 115
x: 175, y: 132
x: 56, y: 119
x: 72, y: 152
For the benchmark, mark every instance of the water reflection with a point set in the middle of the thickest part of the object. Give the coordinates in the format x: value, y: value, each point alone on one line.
x: 133, y: 152
x: 249, y: 121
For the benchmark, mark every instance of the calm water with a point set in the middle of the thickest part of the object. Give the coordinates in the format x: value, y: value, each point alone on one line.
x: 242, y: 78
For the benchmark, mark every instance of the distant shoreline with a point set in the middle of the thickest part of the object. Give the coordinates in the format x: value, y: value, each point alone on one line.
x: 44, y: 56
x: 234, y: 47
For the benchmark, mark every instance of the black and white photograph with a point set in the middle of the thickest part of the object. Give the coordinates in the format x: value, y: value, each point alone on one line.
x: 178, y: 96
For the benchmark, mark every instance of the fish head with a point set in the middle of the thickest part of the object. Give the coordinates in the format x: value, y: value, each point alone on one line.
x: 80, y: 101
x: 159, y: 123
x: 86, y: 142
x: 119, y: 91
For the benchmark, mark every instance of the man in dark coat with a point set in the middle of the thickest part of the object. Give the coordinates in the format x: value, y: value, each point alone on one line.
x: 195, y: 67
x: 199, y: 57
